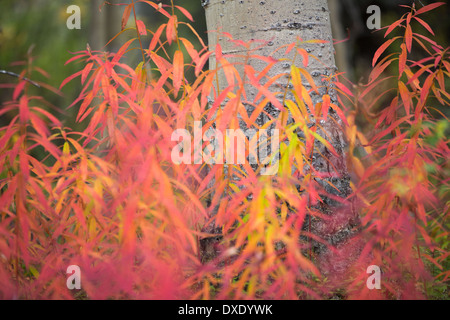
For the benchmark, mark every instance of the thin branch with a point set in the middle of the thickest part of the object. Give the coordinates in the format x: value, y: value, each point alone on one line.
x: 18, y: 76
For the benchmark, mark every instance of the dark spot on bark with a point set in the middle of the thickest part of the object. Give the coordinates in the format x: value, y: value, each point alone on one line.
x: 294, y: 25
x: 205, y: 3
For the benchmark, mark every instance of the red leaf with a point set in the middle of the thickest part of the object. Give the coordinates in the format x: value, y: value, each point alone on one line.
x: 371, y: 86
x: 141, y: 27
x: 381, y: 49
x: 126, y: 15
x: 157, y: 8
x: 378, y: 69
x: 393, y: 26
x: 218, y: 52
x: 50, y: 147
x: 156, y: 37
x: 426, y: 25
x: 389, y: 129
x: 201, y: 63
x: 24, y: 112
x: 79, y: 214
x: 344, y: 88
x: 50, y: 117
x: 228, y: 69
x: 185, y: 12
x: 217, y: 102
x: 429, y: 7
x: 162, y: 64
x: 18, y: 89
x: 86, y: 71
x: 69, y: 78
x: 339, y: 112
x: 121, y: 52
x: 75, y: 58
x: 39, y: 125
x: 86, y: 102
x: 428, y: 39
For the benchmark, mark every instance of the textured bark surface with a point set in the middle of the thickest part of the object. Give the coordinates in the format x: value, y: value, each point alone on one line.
x: 279, y: 22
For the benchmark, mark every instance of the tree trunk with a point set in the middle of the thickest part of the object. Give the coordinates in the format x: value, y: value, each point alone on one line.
x: 279, y: 22
x: 104, y: 24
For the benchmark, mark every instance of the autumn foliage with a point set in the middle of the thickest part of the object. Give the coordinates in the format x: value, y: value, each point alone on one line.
x: 110, y: 199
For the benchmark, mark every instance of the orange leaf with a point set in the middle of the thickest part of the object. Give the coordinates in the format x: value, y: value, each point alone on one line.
x: 426, y: 88
x: 171, y: 31
x: 289, y: 48
x: 402, y: 60
x: 121, y: 52
x: 419, y: 73
x: 404, y: 94
x: 305, y: 56
x: 441, y: 79
x: 178, y: 68
x: 408, y: 18
x: 113, y: 100
x: 378, y: 69
x: 414, y: 84
x: 190, y: 49
x: 250, y: 72
x: 309, y: 79
x: 408, y: 37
